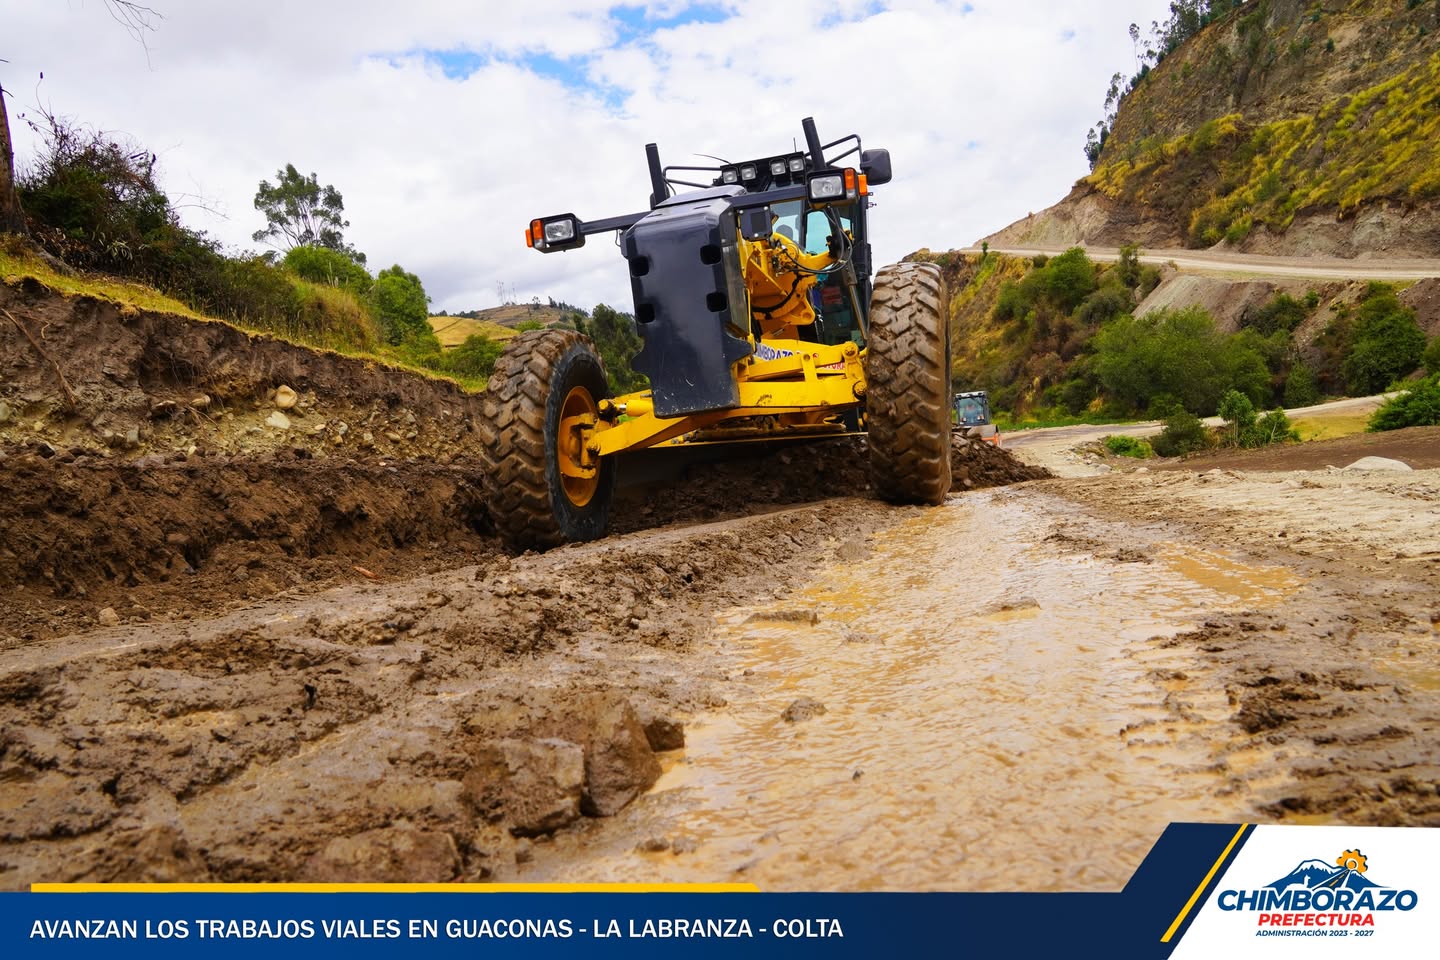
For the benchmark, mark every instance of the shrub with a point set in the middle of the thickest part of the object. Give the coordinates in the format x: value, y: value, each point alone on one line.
x: 400, y: 302
x: 1123, y: 446
x: 1127, y: 265
x: 1431, y: 357
x: 331, y: 317
x: 1069, y: 278
x: 1273, y: 427
x: 1010, y: 304
x: 475, y: 357
x: 323, y: 265
x: 1149, y: 280
x: 1282, y: 313
x: 1237, y: 410
x: 1301, y: 390
x: 1104, y: 304
x: 1387, y: 342
x: 1246, y: 430
x: 1183, y: 434
x: 1419, y: 406
x: 1179, y: 353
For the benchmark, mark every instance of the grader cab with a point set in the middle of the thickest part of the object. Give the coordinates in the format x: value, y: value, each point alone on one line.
x: 760, y: 317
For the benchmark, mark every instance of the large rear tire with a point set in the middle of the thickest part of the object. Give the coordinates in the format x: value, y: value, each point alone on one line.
x: 907, y: 384
x: 541, y: 494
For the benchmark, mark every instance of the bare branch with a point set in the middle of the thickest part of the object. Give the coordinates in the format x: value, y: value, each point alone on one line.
x: 136, y: 19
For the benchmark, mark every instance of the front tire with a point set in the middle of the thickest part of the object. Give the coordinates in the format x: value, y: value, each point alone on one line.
x: 907, y: 381
x: 541, y: 492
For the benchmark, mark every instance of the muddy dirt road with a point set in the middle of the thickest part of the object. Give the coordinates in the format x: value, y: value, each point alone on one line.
x: 1016, y: 690
x: 237, y: 647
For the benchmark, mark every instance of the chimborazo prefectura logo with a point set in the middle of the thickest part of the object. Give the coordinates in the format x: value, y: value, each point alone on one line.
x: 1320, y: 894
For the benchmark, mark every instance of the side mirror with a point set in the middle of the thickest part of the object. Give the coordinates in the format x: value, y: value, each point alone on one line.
x: 875, y: 164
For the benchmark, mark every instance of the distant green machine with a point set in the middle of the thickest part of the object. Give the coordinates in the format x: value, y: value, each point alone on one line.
x: 972, y: 416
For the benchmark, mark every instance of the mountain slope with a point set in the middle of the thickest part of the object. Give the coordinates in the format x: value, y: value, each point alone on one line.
x: 1283, y: 127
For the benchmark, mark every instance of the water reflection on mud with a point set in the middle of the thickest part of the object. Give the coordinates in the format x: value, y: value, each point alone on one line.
x: 997, y: 716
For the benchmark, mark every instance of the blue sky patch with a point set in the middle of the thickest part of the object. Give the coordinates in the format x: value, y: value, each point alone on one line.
x: 573, y: 73
x: 634, y: 21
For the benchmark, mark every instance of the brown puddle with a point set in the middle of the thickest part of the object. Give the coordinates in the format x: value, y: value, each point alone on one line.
x: 994, y: 719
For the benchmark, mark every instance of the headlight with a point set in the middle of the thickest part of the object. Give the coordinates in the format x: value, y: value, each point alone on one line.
x: 777, y: 168
x: 558, y: 231
x: 747, y: 172
x: 729, y: 175
x: 551, y: 234
x: 827, y: 186
x: 797, y: 164
x: 831, y: 186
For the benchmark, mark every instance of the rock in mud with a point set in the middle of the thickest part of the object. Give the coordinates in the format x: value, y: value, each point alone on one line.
x: 396, y: 854
x: 663, y: 732
x: 278, y: 420
x: 619, y: 762
x: 803, y: 709
x: 1379, y: 463
x: 534, y: 785
x: 108, y: 617
x: 285, y: 398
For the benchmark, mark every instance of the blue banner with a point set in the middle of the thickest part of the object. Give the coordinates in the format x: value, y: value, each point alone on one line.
x: 1187, y: 875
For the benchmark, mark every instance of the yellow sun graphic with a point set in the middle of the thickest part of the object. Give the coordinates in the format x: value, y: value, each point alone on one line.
x: 1351, y: 860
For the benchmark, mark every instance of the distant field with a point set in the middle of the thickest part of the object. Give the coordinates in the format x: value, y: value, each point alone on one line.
x: 512, y: 313
x: 452, y: 331
x: 497, y: 323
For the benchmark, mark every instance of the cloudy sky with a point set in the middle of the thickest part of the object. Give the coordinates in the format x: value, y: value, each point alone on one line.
x: 448, y: 125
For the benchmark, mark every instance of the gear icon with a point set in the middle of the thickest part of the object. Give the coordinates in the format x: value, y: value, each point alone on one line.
x: 1352, y: 860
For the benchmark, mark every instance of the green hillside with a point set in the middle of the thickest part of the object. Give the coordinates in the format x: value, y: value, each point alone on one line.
x: 1275, y: 110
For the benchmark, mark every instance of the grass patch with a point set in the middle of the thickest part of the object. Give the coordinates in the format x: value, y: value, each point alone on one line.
x: 1123, y: 446
x: 16, y: 266
x: 1328, y: 427
x: 1006, y: 425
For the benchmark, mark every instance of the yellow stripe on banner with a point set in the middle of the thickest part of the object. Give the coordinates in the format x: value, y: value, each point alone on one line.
x: 394, y: 888
x: 1190, y: 904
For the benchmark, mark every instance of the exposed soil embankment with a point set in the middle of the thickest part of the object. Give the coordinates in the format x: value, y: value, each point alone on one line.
x: 198, y: 467
x: 102, y: 541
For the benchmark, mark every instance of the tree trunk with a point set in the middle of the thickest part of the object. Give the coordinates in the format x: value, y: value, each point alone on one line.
x: 12, y: 218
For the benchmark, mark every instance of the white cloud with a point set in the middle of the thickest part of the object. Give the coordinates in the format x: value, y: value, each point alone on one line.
x: 983, y: 106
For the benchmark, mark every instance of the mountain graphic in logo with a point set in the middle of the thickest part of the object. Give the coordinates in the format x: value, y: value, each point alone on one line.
x: 1347, y: 873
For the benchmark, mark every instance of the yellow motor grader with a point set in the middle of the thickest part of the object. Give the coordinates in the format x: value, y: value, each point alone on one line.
x: 760, y: 317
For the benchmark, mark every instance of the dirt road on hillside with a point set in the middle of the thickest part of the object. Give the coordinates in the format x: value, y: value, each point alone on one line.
x: 1227, y: 263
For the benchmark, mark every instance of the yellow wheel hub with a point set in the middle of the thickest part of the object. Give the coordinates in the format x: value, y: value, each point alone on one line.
x: 579, y: 469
